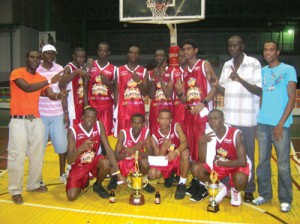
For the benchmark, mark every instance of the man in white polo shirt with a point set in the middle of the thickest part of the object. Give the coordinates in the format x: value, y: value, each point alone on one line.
x: 51, y: 111
x: 240, y: 83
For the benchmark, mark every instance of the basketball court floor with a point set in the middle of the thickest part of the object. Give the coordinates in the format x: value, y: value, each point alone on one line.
x: 53, y: 206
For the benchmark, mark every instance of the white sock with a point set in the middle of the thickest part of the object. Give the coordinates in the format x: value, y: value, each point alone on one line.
x: 182, y: 180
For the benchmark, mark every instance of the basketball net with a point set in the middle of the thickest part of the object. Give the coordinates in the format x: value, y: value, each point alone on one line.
x: 158, y: 9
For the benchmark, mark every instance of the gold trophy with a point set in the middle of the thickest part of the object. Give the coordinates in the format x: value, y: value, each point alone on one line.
x: 213, y: 190
x: 135, y: 181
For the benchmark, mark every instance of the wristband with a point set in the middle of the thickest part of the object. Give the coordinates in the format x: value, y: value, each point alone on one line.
x: 180, y: 94
x: 66, y: 111
x: 204, y: 101
x: 115, y: 173
x: 139, y: 82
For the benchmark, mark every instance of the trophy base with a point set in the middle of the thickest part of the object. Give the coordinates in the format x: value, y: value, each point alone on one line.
x: 136, y: 199
x: 211, y: 208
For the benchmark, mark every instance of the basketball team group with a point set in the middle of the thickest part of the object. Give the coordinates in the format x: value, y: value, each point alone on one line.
x: 80, y: 105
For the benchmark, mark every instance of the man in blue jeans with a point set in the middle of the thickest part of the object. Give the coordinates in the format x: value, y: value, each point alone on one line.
x: 52, y: 113
x: 274, y: 120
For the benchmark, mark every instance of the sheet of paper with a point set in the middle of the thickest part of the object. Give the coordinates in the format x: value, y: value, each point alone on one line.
x: 157, y: 160
x: 204, y: 112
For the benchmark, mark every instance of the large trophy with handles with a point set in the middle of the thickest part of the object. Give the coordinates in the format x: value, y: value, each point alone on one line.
x: 213, y: 190
x: 135, y: 181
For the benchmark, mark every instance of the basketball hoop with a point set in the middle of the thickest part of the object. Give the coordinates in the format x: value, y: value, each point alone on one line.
x: 158, y: 9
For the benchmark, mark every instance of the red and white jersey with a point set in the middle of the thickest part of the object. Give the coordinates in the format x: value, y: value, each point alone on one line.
x: 196, y: 84
x: 130, y: 99
x: 130, y: 141
x: 178, y: 106
x: 75, y: 96
x: 81, y: 135
x: 159, y: 96
x: 172, y: 135
x: 99, y: 95
x: 225, y: 146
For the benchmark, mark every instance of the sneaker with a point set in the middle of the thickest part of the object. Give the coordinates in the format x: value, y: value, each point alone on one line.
x: 97, y: 188
x: 248, y: 197
x: 222, y: 193
x: 176, y: 180
x: 169, y: 181
x: 200, y: 194
x: 235, y: 197
x: 285, y: 207
x: 180, y: 191
x: 193, y: 188
x: 63, y: 178
x: 259, y: 201
x: 112, y: 183
x: 149, y: 188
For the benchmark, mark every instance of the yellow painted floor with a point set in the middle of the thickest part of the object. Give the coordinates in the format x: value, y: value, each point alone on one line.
x: 53, y: 207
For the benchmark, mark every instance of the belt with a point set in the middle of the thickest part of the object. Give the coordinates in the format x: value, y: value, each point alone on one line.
x: 28, y: 117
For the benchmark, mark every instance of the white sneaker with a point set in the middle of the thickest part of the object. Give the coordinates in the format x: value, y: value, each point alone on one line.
x: 222, y: 193
x: 235, y: 197
x: 63, y: 178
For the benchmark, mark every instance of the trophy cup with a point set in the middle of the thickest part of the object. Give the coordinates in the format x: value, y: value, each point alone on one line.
x: 135, y: 182
x: 213, y: 190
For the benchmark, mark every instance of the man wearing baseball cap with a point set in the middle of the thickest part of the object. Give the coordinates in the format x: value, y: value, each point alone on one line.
x: 52, y: 113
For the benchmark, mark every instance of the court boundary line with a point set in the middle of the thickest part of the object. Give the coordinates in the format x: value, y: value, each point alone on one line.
x: 118, y: 214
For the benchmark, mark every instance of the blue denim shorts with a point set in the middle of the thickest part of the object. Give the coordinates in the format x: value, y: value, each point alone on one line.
x: 55, y: 128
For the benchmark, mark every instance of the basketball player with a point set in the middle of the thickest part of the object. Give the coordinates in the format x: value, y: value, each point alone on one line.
x: 75, y: 77
x: 83, y: 145
x: 101, y: 87
x: 132, y: 85
x: 131, y: 140
x: 161, y: 89
x: 170, y: 141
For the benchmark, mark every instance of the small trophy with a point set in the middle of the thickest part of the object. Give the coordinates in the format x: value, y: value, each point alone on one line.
x: 136, y: 183
x: 213, y: 190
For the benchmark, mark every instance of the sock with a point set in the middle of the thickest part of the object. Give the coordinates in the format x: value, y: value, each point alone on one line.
x: 182, y: 180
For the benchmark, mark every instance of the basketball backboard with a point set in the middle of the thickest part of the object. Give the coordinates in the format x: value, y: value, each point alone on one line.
x: 177, y: 11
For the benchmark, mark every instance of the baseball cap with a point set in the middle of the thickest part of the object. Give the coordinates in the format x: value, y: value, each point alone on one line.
x: 49, y: 47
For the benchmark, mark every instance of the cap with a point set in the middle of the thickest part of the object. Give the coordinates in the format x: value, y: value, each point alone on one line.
x: 49, y: 47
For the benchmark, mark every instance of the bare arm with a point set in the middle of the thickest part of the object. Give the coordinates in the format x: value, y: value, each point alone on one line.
x: 291, y: 88
x: 147, y: 145
x: 119, y: 146
x: 68, y: 76
x: 183, y: 144
x: 30, y: 87
x: 210, y: 75
x: 142, y: 86
x: 251, y: 88
x: 166, y: 88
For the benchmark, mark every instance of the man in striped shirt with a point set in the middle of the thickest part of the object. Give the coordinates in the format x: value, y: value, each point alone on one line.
x: 51, y: 111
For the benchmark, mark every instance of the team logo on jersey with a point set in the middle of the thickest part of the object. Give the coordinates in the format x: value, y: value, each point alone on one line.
x: 193, y: 93
x: 98, y: 88
x: 222, y: 152
x: 87, y: 156
x: 131, y: 91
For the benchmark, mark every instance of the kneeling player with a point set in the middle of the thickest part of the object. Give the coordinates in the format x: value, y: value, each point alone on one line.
x: 83, y: 146
x: 170, y: 141
x: 130, y: 140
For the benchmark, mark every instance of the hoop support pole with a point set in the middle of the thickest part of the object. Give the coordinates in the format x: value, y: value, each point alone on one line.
x: 173, y: 34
